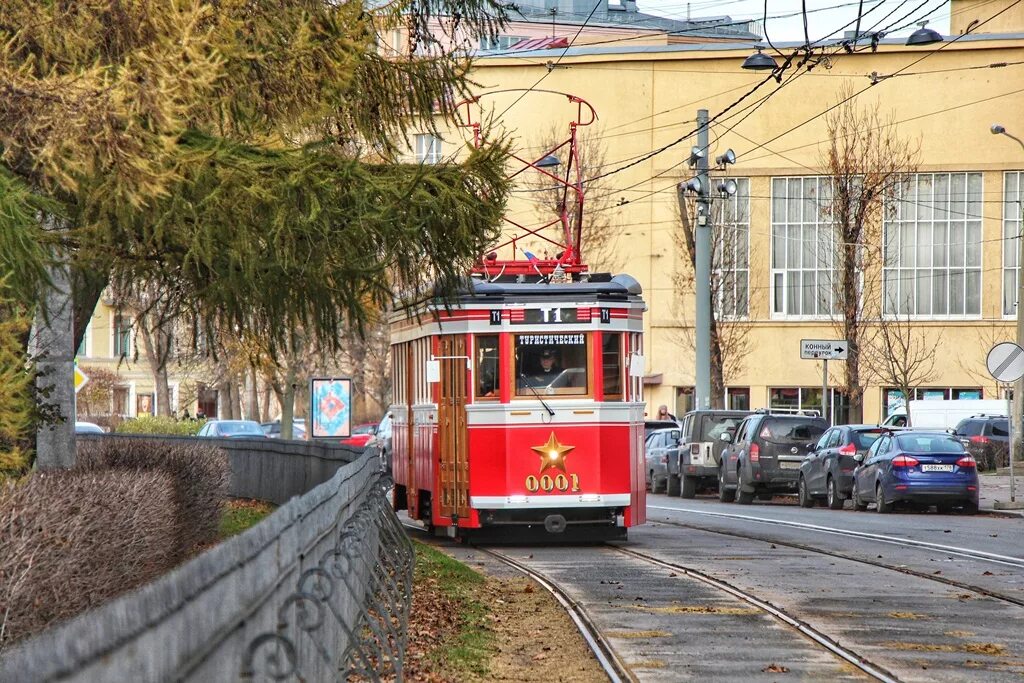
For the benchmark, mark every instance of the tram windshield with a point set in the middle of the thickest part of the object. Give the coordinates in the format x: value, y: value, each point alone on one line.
x: 551, y: 364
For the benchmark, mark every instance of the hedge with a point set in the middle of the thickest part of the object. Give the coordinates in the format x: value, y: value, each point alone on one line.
x: 199, y: 473
x: 148, y: 424
x: 72, y: 540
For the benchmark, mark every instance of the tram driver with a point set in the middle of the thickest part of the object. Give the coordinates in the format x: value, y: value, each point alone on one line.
x: 549, y: 369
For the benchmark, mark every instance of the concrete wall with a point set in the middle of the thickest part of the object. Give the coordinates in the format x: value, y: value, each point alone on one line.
x: 199, y: 622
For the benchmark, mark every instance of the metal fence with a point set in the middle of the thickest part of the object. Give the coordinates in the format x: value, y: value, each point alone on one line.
x: 319, y: 591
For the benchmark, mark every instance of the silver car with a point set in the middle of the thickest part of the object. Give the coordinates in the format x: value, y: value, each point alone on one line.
x: 661, y: 452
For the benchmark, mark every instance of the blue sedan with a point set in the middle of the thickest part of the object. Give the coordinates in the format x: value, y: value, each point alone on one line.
x: 918, y: 467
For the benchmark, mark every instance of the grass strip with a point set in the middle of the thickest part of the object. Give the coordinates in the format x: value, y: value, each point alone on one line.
x: 466, y: 650
x: 240, y: 514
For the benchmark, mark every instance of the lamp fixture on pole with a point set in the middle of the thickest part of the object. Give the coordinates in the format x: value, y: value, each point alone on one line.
x: 723, y: 160
x: 924, y: 36
x: 759, y: 61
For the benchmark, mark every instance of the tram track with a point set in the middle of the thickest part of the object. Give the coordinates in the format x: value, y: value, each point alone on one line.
x: 1019, y: 602
x: 606, y: 656
x: 821, y: 639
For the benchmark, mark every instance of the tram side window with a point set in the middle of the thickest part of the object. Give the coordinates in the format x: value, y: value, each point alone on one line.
x: 487, y: 376
x: 611, y: 365
x: 551, y: 364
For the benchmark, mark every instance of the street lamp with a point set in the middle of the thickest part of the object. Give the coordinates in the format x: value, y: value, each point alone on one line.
x: 924, y: 36
x: 759, y: 61
x: 1018, y: 387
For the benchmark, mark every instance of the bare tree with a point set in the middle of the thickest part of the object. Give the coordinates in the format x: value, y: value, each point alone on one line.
x: 866, y: 161
x: 730, y: 329
x: 595, y: 231
x: 900, y: 356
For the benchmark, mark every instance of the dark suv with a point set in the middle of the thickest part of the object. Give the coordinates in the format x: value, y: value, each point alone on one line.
x: 765, y: 454
x: 701, y: 448
x: 987, y: 439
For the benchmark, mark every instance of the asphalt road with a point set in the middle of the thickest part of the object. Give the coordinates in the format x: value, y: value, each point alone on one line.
x: 949, y: 607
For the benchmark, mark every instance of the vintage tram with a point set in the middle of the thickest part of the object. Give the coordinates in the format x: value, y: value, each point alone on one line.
x: 518, y: 403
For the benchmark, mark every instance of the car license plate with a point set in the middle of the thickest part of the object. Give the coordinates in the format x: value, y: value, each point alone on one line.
x: 786, y: 465
x: 936, y: 468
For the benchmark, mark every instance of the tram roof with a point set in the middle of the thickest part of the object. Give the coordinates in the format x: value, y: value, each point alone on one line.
x: 619, y: 287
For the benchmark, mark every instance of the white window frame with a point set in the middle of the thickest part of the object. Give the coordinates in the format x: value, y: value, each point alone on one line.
x: 1013, y: 206
x: 781, y: 223
x: 114, y: 330
x: 87, y: 341
x: 734, y: 218
x: 918, y: 214
x: 428, y: 148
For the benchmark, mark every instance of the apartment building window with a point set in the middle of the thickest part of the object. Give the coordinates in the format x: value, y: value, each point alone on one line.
x: 428, y: 148
x: 120, y: 400
x: 932, y: 247
x: 802, y: 248
x: 84, y: 349
x: 732, y: 253
x: 1013, y: 187
x: 122, y: 336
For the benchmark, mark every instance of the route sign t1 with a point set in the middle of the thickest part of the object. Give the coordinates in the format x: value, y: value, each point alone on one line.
x: 824, y: 349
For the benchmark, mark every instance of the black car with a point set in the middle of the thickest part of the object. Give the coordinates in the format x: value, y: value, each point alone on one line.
x: 987, y: 439
x: 701, y: 448
x: 827, y: 471
x: 765, y: 455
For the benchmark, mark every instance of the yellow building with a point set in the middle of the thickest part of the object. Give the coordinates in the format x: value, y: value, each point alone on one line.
x: 952, y: 270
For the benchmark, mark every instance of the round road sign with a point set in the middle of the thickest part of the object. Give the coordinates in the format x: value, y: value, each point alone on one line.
x: 1006, y: 362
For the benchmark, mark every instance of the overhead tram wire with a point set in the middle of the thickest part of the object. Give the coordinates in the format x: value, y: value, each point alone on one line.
x: 551, y: 68
x: 718, y: 116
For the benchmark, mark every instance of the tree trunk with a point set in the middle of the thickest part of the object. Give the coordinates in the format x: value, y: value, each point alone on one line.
x: 288, y: 405
x: 154, y: 343
x: 717, y: 371
x: 852, y: 323
x: 52, y: 344
x: 265, y: 403
x: 252, y: 406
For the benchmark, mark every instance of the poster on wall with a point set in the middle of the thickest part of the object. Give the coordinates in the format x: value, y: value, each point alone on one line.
x: 330, y: 407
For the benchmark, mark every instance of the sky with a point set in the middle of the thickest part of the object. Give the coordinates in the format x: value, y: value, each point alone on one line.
x: 824, y: 16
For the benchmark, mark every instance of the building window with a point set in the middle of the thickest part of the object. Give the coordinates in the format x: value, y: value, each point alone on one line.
x: 120, y: 400
x: 893, y: 398
x: 685, y: 400
x: 428, y: 148
x: 499, y: 42
x: 1013, y: 184
x: 737, y: 398
x: 732, y: 250
x: 122, y: 336
x: 85, y: 346
x: 932, y: 247
x: 802, y: 248
x: 808, y: 398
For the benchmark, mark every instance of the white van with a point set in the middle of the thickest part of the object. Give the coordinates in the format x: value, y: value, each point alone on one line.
x: 943, y: 415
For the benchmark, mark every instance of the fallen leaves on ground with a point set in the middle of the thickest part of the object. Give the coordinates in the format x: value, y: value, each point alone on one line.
x: 774, y: 668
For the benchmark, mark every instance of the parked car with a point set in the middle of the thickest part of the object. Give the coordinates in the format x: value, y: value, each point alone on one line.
x: 987, y: 439
x: 652, y: 425
x: 700, y: 448
x: 88, y: 428
x: 661, y: 453
x: 938, y: 414
x: 765, y: 455
x: 827, y: 471
x: 273, y: 429
x: 361, y: 434
x: 919, y: 467
x: 380, y: 442
x: 233, y: 429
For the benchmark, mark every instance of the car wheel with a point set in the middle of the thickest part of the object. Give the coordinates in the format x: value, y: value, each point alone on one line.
x: 880, y: 504
x: 673, y: 485
x: 944, y: 509
x: 725, y: 494
x: 803, y: 496
x: 689, y: 487
x: 743, y: 497
x: 858, y: 504
x: 969, y: 508
x: 835, y: 501
x: 650, y: 481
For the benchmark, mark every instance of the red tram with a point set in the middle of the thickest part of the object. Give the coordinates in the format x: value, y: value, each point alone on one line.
x: 515, y: 408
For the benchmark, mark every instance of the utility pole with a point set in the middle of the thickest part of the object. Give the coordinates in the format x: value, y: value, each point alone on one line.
x: 703, y: 274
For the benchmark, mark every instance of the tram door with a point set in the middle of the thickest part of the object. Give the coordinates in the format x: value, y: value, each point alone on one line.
x: 452, y: 419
